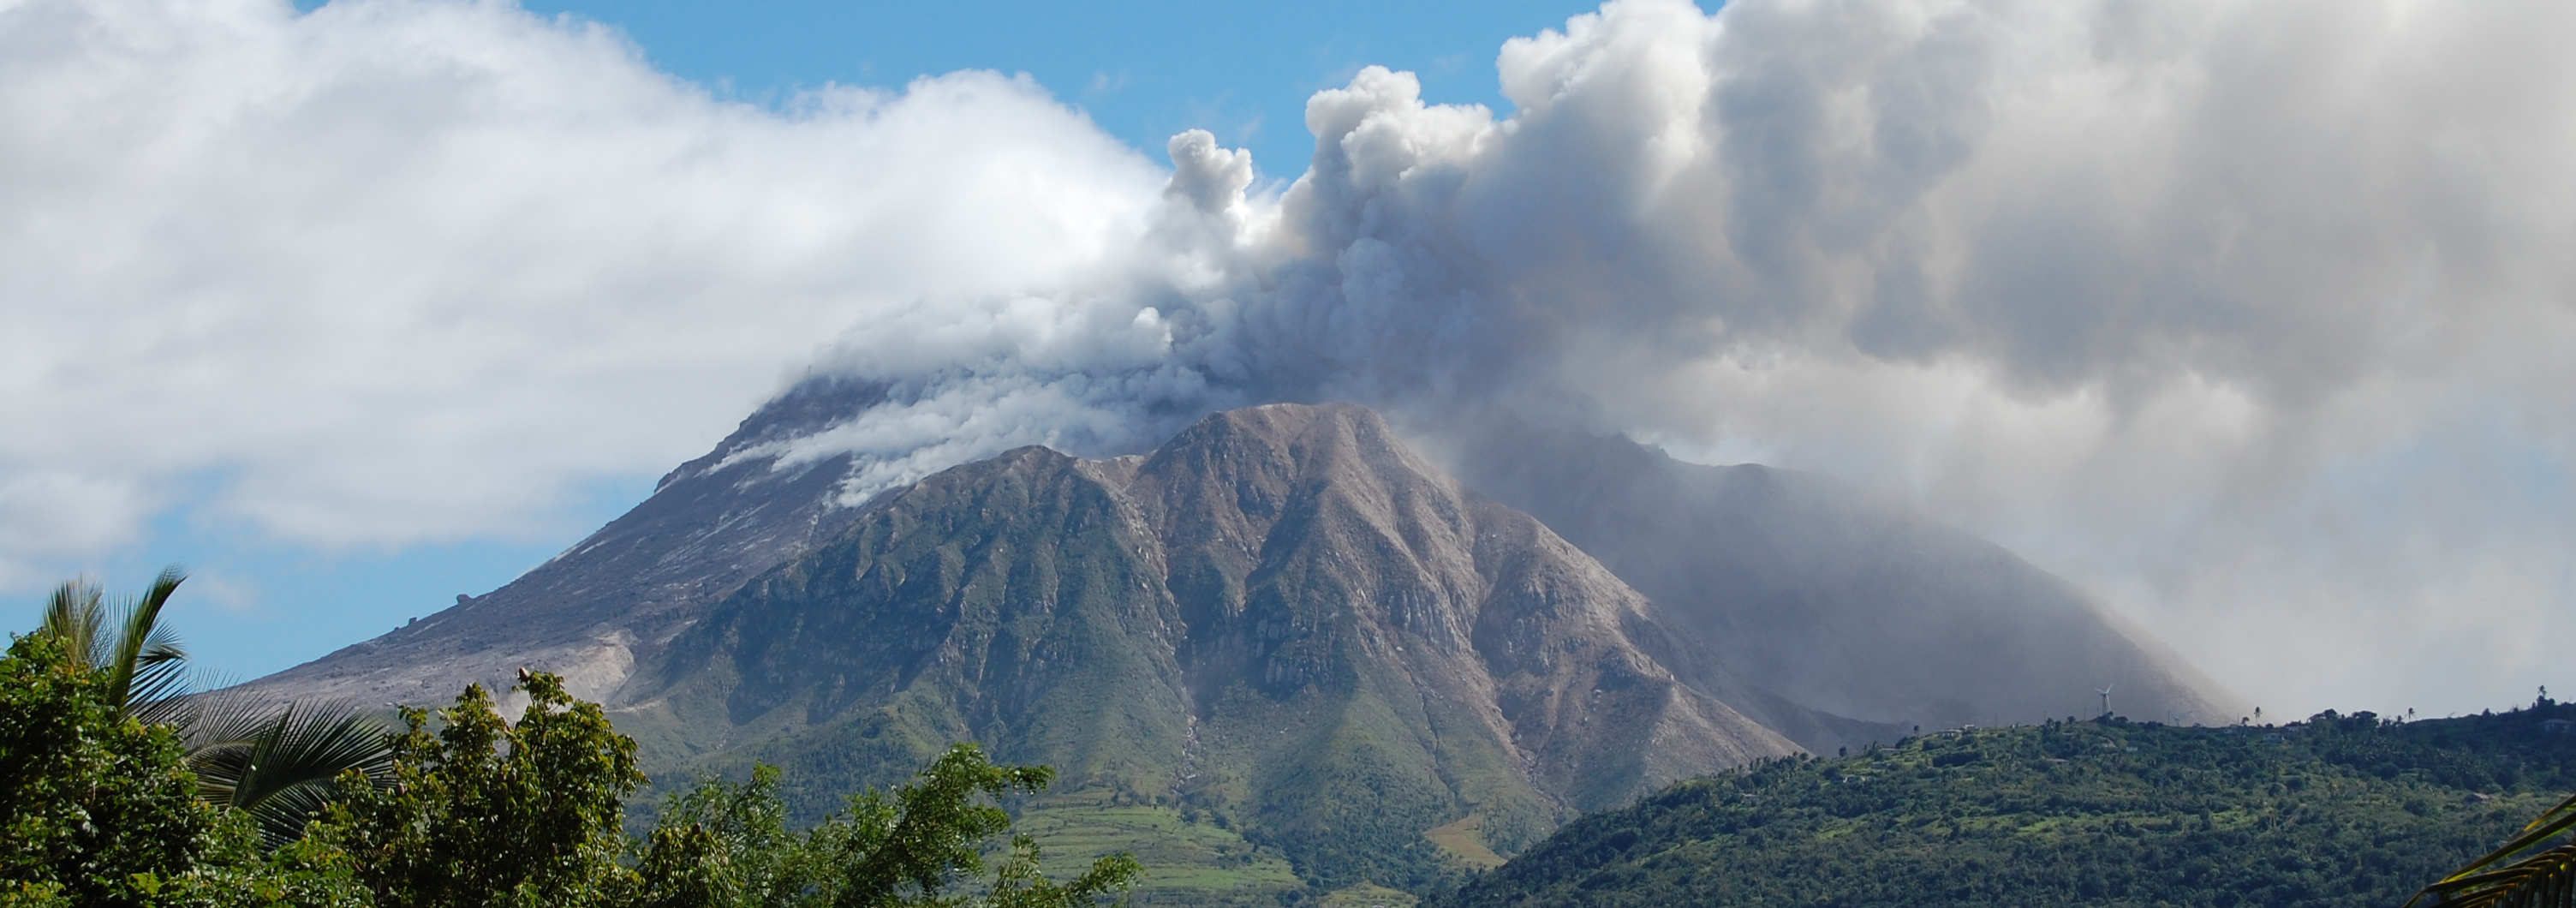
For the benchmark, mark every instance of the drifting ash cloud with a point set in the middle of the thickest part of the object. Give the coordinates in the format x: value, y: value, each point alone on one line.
x: 2255, y: 317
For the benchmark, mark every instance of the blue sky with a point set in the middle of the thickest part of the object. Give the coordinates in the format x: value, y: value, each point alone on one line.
x: 1144, y: 71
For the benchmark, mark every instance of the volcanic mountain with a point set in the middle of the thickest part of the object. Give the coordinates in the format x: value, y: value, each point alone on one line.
x: 1283, y: 645
x: 1282, y: 618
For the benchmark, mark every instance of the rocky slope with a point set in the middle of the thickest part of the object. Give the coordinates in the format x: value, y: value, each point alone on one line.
x: 1282, y: 621
x: 709, y: 526
x: 1282, y: 645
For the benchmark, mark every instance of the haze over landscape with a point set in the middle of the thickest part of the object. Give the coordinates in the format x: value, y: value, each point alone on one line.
x: 2252, y: 320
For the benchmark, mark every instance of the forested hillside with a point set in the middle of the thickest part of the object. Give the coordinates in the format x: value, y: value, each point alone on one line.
x: 2338, y: 810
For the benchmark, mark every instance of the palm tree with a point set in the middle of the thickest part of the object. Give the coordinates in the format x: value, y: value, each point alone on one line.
x: 2546, y: 879
x: 144, y: 660
x: 279, y: 764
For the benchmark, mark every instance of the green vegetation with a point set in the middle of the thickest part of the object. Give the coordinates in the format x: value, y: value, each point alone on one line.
x: 2546, y: 879
x: 99, y: 807
x: 277, y: 763
x: 2338, y: 810
x: 1185, y: 863
x: 88, y: 796
x: 1464, y: 840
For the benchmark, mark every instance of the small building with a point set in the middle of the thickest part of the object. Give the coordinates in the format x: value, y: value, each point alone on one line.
x: 2556, y: 726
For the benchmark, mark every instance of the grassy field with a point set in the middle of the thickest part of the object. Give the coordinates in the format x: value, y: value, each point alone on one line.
x: 1185, y: 863
x: 1465, y: 841
x: 1369, y: 895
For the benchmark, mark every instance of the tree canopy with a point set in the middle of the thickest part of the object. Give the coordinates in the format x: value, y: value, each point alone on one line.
x: 100, y: 807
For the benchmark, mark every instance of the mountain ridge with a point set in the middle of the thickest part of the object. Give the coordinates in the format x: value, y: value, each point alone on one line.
x: 1281, y: 618
x: 1285, y: 648
x: 710, y: 524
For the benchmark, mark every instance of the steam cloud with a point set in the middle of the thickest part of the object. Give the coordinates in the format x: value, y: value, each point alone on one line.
x: 2255, y: 317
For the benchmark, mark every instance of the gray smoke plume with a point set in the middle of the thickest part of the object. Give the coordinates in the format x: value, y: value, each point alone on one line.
x: 2255, y: 317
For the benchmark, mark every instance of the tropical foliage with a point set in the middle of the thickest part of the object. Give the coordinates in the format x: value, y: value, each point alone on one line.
x: 2545, y: 879
x: 99, y: 807
x: 89, y: 796
x: 486, y: 812
x: 277, y: 762
x: 915, y: 845
x: 144, y: 662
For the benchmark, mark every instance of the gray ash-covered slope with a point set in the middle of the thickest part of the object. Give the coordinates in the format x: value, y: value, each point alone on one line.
x: 1812, y: 594
x: 588, y: 613
x: 1282, y: 620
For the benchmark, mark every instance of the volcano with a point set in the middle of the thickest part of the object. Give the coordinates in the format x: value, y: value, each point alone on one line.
x: 1285, y: 647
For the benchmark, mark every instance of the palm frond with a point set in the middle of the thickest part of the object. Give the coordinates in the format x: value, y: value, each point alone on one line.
x: 144, y: 643
x: 227, y: 715
x: 282, y: 764
x: 73, y: 616
x: 2546, y: 879
x: 160, y: 695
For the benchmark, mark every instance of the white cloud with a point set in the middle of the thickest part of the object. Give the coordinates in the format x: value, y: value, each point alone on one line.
x: 411, y: 271
x: 2254, y: 316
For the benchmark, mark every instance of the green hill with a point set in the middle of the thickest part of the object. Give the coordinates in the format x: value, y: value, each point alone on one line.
x: 2338, y: 810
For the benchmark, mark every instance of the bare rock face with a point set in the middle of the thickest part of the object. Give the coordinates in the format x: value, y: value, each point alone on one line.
x: 1314, y: 518
x: 1282, y: 617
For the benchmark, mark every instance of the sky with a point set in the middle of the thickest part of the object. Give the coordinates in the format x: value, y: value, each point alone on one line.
x: 1142, y: 71
x: 2254, y: 318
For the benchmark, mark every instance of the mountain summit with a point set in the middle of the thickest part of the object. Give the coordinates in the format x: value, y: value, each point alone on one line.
x: 1283, y: 643
x: 1282, y: 619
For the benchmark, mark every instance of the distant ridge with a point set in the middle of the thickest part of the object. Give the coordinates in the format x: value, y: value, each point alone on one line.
x: 1807, y: 592
x: 2334, y: 812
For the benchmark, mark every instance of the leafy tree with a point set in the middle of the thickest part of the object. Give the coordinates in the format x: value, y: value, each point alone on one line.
x: 487, y: 813
x: 90, y: 799
x: 910, y: 846
x: 277, y: 763
x: 920, y: 845
x: 723, y: 845
x: 98, y: 806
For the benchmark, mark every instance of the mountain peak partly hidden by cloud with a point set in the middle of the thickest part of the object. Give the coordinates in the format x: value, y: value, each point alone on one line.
x: 2259, y: 319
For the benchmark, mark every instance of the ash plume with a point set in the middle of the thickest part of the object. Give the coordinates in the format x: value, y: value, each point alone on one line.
x: 2227, y: 309
x: 2253, y: 317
